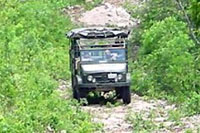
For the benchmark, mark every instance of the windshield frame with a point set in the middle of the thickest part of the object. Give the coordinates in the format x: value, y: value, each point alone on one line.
x: 100, y: 41
x: 108, y: 61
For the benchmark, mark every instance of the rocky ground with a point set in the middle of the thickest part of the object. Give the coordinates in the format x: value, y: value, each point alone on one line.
x: 156, y: 114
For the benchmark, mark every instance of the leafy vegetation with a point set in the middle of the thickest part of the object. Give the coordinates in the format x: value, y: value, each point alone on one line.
x: 33, y: 55
x: 157, y: 120
x: 141, y: 124
x: 91, y: 4
x: 167, y: 63
x: 166, y: 60
x: 194, y: 11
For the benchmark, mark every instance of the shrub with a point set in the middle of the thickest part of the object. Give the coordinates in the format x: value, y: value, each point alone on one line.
x: 194, y: 11
x: 165, y: 60
x: 148, y: 13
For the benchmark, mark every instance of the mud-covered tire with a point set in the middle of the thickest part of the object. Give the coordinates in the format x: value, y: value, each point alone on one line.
x: 76, y: 94
x: 76, y: 90
x: 126, y: 96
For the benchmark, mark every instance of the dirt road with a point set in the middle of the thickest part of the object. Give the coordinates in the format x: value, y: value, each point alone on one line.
x: 115, y: 119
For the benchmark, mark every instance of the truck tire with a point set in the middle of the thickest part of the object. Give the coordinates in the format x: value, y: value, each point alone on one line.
x: 126, y: 96
x: 76, y: 93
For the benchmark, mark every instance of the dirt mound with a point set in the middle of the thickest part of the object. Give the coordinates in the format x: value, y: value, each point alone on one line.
x: 107, y: 15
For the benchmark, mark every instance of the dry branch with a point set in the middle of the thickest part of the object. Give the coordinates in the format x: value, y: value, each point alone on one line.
x: 191, y: 28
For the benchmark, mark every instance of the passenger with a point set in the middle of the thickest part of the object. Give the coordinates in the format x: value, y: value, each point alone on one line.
x: 110, y: 56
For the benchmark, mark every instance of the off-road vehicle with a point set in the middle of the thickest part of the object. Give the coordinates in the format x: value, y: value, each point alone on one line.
x: 98, y: 61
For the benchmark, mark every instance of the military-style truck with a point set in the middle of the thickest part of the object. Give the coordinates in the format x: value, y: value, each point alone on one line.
x: 99, y: 62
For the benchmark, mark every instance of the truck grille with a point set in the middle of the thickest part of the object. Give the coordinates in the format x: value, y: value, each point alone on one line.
x: 102, y: 78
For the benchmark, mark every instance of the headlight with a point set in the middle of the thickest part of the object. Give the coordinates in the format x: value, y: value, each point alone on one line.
x: 89, y: 78
x: 119, y: 76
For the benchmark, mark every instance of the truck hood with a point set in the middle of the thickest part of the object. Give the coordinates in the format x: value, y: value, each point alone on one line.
x: 97, y: 68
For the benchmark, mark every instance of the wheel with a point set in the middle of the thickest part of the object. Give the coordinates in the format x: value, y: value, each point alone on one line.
x: 126, y: 96
x: 76, y: 93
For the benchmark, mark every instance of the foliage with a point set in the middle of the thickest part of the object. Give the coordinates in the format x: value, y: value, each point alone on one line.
x: 175, y: 115
x: 92, y: 4
x: 165, y: 60
x: 195, y: 15
x: 167, y: 63
x: 33, y: 55
x: 150, y: 12
x: 45, y: 114
x: 194, y: 10
x: 141, y: 124
x: 191, y: 106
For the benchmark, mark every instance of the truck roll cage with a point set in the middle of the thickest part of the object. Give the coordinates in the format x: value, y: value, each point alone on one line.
x: 114, y: 43
x: 97, y: 32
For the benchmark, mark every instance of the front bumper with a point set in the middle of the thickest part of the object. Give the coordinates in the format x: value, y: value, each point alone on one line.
x: 104, y: 86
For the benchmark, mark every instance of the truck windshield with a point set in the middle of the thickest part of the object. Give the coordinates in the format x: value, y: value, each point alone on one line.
x: 104, y: 55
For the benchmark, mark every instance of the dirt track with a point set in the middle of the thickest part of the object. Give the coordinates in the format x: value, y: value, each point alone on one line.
x: 114, y: 119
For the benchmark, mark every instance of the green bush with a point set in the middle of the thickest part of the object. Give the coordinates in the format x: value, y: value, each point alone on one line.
x: 45, y: 114
x: 165, y: 63
x: 158, y: 36
x: 168, y: 63
x: 149, y: 12
x: 194, y: 12
x: 33, y: 55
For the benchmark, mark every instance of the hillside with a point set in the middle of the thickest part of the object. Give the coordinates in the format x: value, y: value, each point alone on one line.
x: 33, y: 56
x: 164, y: 61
